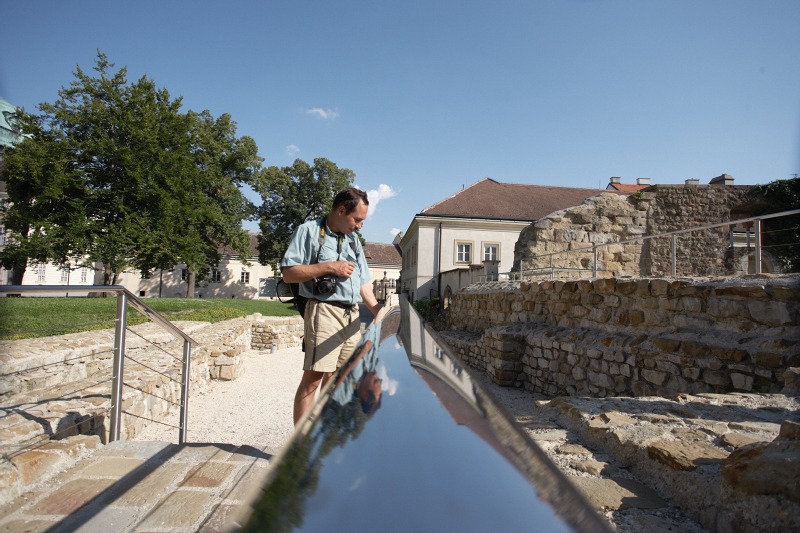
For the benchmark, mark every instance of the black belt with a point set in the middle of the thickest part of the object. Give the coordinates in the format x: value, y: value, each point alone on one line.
x: 341, y: 305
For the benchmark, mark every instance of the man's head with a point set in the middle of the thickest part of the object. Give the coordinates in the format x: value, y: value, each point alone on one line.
x: 349, y: 210
x: 369, y: 392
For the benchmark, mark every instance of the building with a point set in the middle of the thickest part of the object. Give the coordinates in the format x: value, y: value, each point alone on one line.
x: 473, y: 233
x: 385, y: 262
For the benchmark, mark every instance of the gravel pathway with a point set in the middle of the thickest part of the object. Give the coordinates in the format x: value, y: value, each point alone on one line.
x: 254, y: 409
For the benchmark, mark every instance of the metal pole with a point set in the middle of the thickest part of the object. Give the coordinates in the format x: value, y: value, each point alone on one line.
x: 594, y: 266
x: 187, y: 356
x: 119, y: 357
x: 674, y: 256
x: 757, y: 230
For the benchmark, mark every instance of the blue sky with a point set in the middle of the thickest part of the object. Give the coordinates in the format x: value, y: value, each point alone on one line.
x: 420, y: 98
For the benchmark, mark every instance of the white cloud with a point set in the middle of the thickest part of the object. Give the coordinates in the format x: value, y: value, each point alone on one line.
x: 389, y: 385
x: 324, y: 114
x: 292, y: 150
x: 394, y: 231
x: 383, y: 192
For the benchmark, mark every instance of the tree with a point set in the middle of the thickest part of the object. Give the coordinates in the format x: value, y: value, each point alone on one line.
x: 781, y: 234
x: 206, y: 210
x: 114, y: 173
x: 292, y: 195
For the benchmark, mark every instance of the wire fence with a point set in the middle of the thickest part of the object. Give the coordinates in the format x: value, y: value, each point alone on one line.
x: 93, y: 383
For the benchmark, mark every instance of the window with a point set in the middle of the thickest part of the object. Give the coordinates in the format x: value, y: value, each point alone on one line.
x: 214, y: 275
x: 40, y: 272
x: 184, y: 274
x: 65, y: 274
x: 84, y: 273
x: 245, y: 277
x: 2, y: 236
x: 490, y: 251
x: 463, y: 252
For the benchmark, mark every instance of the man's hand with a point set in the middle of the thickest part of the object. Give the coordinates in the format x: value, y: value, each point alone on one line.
x: 342, y: 269
x: 302, y: 273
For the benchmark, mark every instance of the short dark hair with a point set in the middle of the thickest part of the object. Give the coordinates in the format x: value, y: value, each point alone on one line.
x: 350, y: 198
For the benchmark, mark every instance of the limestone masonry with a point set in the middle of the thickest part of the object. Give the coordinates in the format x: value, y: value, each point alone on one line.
x: 633, y: 337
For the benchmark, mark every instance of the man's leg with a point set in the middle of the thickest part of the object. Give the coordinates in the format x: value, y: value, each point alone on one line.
x: 306, y: 392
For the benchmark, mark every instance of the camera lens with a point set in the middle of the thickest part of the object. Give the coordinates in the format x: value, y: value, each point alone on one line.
x: 325, y: 285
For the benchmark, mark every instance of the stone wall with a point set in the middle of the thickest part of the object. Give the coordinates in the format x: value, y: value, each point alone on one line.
x: 280, y: 332
x: 678, y: 207
x: 636, y: 337
x: 614, y: 218
x: 609, y: 217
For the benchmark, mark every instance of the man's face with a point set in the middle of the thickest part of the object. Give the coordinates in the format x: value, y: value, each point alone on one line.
x: 349, y: 222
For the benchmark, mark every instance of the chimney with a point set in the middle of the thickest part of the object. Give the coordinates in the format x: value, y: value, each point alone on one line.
x: 643, y: 181
x: 693, y: 181
x: 615, y: 180
x: 724, y: 179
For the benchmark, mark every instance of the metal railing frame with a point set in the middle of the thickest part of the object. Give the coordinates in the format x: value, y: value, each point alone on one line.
x: 125, y: 298
x: 673, y: 245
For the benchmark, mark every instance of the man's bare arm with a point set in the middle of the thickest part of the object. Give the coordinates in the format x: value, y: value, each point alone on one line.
x: 369, y: 299
x: 301, y: 273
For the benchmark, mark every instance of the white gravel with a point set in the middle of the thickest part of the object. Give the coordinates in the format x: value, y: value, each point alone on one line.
x: 254, y: 409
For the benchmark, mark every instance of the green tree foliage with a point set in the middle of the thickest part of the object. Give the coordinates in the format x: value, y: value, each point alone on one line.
x: 292, y: 195
x: 113, y: 172
x: 781, y: 235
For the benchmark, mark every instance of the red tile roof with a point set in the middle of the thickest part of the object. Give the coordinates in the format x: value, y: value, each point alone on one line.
x: 626, y: 187
x: 490, y: 199
x: 382, y: 254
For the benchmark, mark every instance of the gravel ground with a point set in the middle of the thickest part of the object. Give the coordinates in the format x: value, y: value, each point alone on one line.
x: 255, y: 409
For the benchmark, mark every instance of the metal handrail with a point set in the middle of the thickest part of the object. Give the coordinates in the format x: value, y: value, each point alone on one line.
x: 125, y: 297
x: 673, y: 234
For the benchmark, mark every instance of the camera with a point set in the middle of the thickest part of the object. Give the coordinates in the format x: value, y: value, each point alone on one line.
x: 325, y: 285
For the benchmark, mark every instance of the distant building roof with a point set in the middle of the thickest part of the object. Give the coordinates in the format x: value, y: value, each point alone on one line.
x: 382, y: 254
x: 615, y: 184
x: 489, y: 199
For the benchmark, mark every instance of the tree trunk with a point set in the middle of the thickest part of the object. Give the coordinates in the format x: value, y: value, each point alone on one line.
x: 190, y: 279
x: 18, y: 272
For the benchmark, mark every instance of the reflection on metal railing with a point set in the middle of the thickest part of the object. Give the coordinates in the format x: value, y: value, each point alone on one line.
x: 404, y: 439
x: 744, y: 237
x: 33, y: 404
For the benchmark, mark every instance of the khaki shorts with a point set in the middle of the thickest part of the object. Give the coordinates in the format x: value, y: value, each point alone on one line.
x: 332, y: 334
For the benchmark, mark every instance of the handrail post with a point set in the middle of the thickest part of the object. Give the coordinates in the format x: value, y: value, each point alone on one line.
x: 674, y: 256
x: 757, y: 230
x: 184, y: 416
x: 594, y: 266
x: 119, y: 357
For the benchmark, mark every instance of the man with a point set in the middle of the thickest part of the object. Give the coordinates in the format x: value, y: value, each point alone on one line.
x: 326, y: 259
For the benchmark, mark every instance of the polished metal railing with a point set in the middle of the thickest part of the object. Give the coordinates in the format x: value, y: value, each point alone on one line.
x: 404, y: 438
x: 125, y: 299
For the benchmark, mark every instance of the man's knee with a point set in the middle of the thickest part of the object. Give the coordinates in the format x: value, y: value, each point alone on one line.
x: 311, y: 379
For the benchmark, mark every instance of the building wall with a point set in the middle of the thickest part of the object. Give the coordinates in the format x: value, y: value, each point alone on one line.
x: 429, y: 248
x: 260, y: 283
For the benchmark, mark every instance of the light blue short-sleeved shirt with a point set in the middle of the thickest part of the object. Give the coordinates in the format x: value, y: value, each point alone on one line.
x: 303, y: 250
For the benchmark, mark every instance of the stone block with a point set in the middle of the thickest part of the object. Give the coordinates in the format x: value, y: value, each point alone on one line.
x: 685, y: 456
x: 617, y: 493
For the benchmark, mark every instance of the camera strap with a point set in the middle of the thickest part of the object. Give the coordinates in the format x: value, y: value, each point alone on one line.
x: 339, y: 239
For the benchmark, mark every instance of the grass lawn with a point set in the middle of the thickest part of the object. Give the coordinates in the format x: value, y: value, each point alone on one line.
x: 22, y: 318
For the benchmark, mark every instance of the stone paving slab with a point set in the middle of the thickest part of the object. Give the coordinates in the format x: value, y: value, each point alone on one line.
x: 143, y: 486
